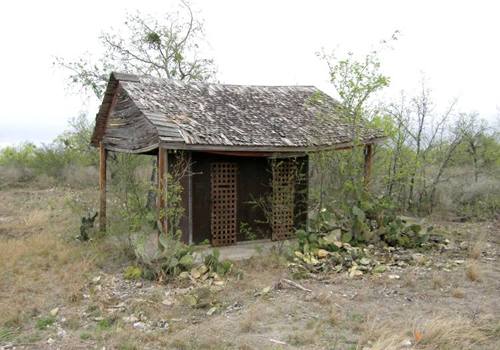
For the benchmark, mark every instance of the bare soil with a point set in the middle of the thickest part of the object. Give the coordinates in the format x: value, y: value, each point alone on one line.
x: 58, y: 293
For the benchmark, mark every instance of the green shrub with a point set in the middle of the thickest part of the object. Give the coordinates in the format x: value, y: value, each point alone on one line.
x: 212, y: 261
x: 132, y: 273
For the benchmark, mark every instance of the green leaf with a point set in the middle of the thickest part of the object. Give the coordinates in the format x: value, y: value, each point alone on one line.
x: 186, y: 261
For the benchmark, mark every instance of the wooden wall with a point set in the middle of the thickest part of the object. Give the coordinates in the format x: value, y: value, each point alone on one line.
x: 254, y: 179
x: 127, y: 129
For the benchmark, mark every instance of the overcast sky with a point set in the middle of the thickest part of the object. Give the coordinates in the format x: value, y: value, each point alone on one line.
x: 455, y: 43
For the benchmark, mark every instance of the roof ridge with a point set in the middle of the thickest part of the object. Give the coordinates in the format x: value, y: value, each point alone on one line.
x: 137, y: 78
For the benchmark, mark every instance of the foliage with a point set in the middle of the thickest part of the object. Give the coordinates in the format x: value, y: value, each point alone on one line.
x: 371, y: 220
x: 169, y: 260
x: 356, y: 81
x: 212, y: 261
x: 166, y: 47
x: 427, y: 147
x: 69, y: 149
x: 132, y: 273
x: 44, y: 322
x: 246, y: 230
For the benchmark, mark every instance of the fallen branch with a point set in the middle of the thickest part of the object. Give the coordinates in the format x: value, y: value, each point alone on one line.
x: 277, y: 341
x: 295, y: 285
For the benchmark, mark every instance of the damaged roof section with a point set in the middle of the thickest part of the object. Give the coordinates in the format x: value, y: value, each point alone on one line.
x: 197, y: 115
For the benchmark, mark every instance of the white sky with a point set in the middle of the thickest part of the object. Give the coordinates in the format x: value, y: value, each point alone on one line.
x: 455, y: 43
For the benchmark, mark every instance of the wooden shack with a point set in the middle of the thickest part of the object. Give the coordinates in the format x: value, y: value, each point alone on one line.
x: 243, y: 148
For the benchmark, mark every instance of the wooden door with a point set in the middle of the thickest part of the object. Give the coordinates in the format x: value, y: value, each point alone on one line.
x: 283, y: 198
x: 224, y: 203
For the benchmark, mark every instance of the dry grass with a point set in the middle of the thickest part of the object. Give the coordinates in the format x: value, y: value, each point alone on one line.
x: 38, y: 273
x: 410, y: 279
x: 473, y: 272
x: 436, y: 333
x: 458, y: 293
x: 476, y: 247
x: 249, y: 323
x: 334, y: 317
x: 437, y: 280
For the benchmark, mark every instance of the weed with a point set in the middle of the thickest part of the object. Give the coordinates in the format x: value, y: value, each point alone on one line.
x: 302, y: 337
x: 249, y: 323
x: 132, y: 273
x: 105, y: 324
x: 476, y: 249
x: 458, y: 293
x: 473, y: 272
x: 437, y: 281
x: 410, y: 280
x: 85, y: 336
x: 334, y: 317
x: 7, y: 334
x: 247, y: 231
x: 436, y: 333
x: 44, y: 322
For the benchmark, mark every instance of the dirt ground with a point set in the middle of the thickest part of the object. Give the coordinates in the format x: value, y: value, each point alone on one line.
x: 58, y: 293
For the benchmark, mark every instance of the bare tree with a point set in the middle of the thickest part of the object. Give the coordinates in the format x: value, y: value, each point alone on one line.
x: 472, y: 129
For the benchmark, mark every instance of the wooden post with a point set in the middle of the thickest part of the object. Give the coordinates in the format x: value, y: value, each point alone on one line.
x: 103, y: 153
x: 162, y: 187
x: 368, y: 151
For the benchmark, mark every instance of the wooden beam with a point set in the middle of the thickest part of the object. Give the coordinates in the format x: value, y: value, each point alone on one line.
x: 103, y: 153
x: 368, y: 152
x: 272, y: 149
x: 162, y: 188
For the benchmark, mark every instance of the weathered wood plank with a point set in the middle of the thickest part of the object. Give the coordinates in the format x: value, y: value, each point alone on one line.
x: 102, y: 186
x: 162, y: 188
x: 368, y: 152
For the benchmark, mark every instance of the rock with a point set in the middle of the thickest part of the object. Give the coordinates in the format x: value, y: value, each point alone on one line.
x: 394, y: 277
x: 365, y: 261
x: 61, y: 332
x: 54, y: 311
x: 130, y: 319
x: 406, y: 343
x: 195, y: 273
x: 139, y: 325
x: 167, y: 302
x: 50, y: 341
x: 379, y: 269
x: 162, y: 324
x: 333, y: 237
x: 184, y: 275
x: 203, y: 269
x: 265, y: 290
x: 211, y: 311
x: 190, y: 300
x: 322, y: 253
x: 354, y: 272
x: 419, y: 258
x: 338, y: 244
x: 96, y: 279
x: 138, y: 285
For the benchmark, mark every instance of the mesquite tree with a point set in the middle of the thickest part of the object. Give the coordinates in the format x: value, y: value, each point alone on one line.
x: 356, y: 81
x: 166, y: 47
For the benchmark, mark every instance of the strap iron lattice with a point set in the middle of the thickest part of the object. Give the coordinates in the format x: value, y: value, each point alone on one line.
x: 223, y: 213
x: 283, y: 199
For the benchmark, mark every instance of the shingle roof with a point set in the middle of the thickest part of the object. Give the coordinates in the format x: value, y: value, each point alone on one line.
x: 205, y: 114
